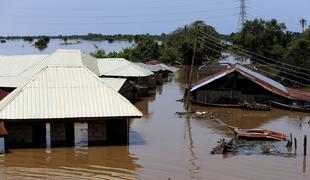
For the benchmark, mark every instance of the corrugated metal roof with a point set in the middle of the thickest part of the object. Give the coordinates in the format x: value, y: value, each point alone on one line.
x: 263, y: 81
x: 256, y: 75
x: 150, y: 67
x: 298, y: 94
x: 120, y: 67
x: 156, y: 67
x: 15, y: 65
x: 65, y: 92
x: 14, y: 69
x: 72, y: 57
x: 114, y: 83
x: 212, y: 78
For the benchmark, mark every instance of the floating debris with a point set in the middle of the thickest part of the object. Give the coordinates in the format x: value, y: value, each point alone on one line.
x: 238, y: 146
x: 259, y: 134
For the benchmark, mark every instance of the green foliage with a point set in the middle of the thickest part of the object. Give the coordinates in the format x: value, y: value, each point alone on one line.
x: 42, y: 43
x: 177, y: 45
x: 169, y: 54
x: 183, y: 39
x: 267, y: 38
x: 99, y: 53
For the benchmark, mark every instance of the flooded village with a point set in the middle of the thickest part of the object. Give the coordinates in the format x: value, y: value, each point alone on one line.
x: 196, y: 102
x: 69, y: 114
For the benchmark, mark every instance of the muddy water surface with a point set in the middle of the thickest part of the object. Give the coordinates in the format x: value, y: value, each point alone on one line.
x: 163, y: 146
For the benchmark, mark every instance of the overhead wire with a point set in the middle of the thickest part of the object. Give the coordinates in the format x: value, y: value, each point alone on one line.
x: 116, y: 16
x: 277, y: 61
x: 116, y: 8
x: 262, y: 61
x: 299, y: 77
x: 291, y: 80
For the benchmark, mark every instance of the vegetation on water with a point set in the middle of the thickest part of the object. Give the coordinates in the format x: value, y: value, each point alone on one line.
x: 267, y: 42
x: 42, y: 43
x: 178, y: 45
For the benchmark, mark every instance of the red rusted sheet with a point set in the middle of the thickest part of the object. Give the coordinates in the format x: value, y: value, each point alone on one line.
x: 298, y: 94
x: 256, y: 134
x: 3, y: 131
x: 3, y: 94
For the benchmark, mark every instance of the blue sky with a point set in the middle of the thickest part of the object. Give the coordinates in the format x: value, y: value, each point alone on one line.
x: 54, y: 17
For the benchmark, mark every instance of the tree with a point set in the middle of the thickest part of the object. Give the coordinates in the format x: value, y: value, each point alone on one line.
x: 99, y: 53
x: 303, y: 23
x: 267, y: 38
x: 183, y: 39
x: 297, y: 54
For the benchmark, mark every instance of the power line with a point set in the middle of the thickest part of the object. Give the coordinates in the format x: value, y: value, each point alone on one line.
x: 116, y: 8
x: 249, y: 52
x: 216, y: 45
x: 271, y: 68
x: 260, y: 60
x: 127, y: 22
x: 273, y: 74
x: 117, y: 16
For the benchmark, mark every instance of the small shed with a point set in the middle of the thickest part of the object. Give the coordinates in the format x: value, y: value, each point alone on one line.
x: 62, y: 96
x: 237, y: 84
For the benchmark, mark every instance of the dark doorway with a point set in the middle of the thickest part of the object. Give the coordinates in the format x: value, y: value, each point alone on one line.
x: 69, y: 134
x: 39, y: 135
x: 117, y: 131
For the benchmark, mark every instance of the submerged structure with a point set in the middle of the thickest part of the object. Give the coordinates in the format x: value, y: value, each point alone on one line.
x: 236, y: 85
x: 60, y: 96
x: 122, y: 68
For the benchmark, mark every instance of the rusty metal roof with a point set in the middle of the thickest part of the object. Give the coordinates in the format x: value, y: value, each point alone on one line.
x: 265, y: 82
x: 298, y: 94
x: 3, y: 131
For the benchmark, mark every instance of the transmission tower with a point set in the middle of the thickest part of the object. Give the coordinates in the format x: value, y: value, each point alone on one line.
x: 242, y: 14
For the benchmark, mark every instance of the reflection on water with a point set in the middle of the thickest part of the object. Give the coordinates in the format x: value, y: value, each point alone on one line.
x: 163, y: 146
x: 91, y: 163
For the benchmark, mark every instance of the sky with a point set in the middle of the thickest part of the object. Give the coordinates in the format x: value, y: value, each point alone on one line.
x: 67, y: 17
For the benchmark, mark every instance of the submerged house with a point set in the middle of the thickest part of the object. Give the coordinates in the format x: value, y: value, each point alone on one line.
x: 237, y: 84
x: 122, y: 68
x: 160, y: 70
x: 60, y: 96
x: 125, y: 87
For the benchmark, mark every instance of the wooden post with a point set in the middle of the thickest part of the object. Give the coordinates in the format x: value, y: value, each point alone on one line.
x: 295, y: 144
x: 191, y: 70
x: 305, y: 145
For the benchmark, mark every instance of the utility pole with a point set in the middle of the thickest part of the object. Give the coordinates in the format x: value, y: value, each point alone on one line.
x: 242, y: 14
x: 188, y: 98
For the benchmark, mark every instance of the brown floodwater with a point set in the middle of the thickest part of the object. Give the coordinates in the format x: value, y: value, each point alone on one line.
x: 163, y: 146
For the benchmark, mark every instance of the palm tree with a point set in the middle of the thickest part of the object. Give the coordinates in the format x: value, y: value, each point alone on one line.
x: 303, y: 23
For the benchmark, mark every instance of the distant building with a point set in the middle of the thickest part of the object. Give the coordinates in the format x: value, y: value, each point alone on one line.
x: 237, y: 84
x: 61, y: 96
x: 122, y: 68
